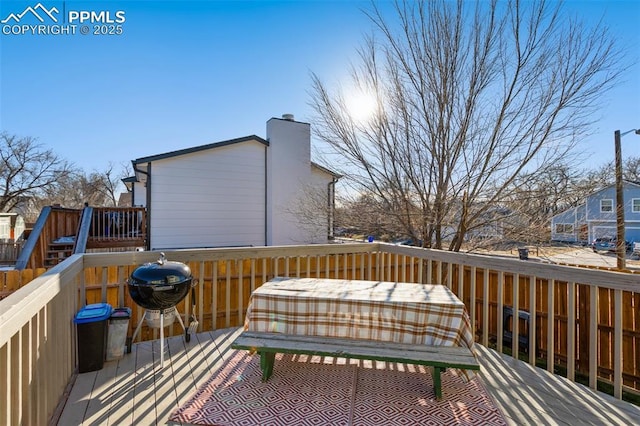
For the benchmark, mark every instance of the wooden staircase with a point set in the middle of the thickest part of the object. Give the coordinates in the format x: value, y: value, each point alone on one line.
x: 57, y: 252
x: 60, y: 232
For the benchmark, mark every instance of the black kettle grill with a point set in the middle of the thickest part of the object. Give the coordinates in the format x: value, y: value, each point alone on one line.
x: 158, y: 287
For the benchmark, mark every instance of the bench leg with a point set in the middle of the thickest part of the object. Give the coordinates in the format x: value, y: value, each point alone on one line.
x: 266, y: 364
x: 437, y: 382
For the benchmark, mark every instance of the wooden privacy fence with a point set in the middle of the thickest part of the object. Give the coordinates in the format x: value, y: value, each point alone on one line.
x: 9, y: 252
x: 12, y: 280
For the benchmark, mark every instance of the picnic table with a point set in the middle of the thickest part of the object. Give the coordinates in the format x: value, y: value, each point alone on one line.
x: 390, y: 321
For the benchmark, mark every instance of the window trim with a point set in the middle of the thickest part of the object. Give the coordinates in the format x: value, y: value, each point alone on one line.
x: 602, y: 210
x: 564, y: 228
x: 633, y: 205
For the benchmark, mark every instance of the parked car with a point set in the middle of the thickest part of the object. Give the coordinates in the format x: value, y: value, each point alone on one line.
x: 608, y: 244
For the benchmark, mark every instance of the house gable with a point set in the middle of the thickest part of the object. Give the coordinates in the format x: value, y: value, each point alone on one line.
x: 209, y: 197
x: 570, y: 225
x: 242, y: 192
x: 187, y: 151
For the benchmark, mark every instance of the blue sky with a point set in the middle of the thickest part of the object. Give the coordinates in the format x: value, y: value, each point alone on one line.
x: 187, y: 73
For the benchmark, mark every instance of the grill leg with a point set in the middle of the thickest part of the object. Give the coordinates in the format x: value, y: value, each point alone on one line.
x: 162, y: 338
x: 187, y: 336
x: 135, y: 333
x: 179, y: 318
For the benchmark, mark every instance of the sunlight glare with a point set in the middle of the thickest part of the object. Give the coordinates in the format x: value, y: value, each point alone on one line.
x: 361, y: 106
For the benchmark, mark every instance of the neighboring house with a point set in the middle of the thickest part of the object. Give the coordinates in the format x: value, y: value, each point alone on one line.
x: 124, y: 199
x: 491, y: 224
x: 247, y: 191
x: 597, y: 216
x: 11, y: 226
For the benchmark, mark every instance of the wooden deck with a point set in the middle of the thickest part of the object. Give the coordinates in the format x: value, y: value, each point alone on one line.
x: 136, y: 391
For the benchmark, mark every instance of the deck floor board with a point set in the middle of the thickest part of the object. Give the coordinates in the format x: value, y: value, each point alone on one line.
x: 136, y: 391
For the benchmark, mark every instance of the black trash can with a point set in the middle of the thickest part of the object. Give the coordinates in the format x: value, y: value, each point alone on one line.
x: 91, y: 325
x: 523, y: 253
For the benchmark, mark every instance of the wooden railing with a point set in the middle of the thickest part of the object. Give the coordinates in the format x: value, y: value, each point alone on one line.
x: 53, y: 222
x: 90, y: 228
x: 117, y: 227
x: 586, y: 321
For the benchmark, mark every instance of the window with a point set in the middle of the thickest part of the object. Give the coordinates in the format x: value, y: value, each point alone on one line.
x: 5, y: 229
x: 606, y: 206
x: 635, y: 205
x: 564, y: 228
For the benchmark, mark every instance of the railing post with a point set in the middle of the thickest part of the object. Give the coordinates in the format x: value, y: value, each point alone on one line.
x: 571, y: 330
x: 472, y: 300
x: 593, y: 337
x: 550, y: 324
x: 485, y: 307
x: 533, y: 338
x: 617, y: 345
x: 499, y: 310
x: 515, y: 331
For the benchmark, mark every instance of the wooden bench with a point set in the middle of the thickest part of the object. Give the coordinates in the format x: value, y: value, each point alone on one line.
x: 438, y: 357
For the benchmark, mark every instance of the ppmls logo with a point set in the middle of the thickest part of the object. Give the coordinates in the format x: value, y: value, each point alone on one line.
x: 16, y: 18
x: 40, y: 20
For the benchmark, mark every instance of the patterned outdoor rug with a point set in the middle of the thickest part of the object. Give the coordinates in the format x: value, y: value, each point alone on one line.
x: 324, y: 391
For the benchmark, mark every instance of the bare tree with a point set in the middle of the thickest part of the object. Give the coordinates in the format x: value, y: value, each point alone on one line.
x: 27, y: 170
x: 110, y: 183
x: 605, y: 174
x: 471, y: 97
x: 365, y: 215
x: 77, y: 188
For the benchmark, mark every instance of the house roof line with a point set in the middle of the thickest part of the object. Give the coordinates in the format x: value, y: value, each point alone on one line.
x: 324, y: 169
x: 567, y: 210
x: 604, y: 188
x: 177, y: 153
x: 200, y: 148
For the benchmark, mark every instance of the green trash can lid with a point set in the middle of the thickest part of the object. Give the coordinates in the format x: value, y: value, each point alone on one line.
x: 93, y: 313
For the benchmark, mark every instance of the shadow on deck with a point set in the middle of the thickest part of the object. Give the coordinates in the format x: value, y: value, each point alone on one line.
x: 136, y: 391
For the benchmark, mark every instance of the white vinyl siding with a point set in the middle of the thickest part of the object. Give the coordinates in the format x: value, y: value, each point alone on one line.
x: 213, y: 198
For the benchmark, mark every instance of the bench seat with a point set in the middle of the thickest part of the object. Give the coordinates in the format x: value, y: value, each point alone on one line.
x: 438, y: 357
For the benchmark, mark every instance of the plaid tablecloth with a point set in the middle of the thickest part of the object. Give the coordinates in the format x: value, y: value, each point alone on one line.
x: 387, y: 311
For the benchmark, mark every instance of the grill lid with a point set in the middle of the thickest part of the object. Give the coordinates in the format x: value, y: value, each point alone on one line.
x: 160, y: 273
x: 160, y: 285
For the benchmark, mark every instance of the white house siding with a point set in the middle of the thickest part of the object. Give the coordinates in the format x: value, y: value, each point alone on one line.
x: 5, y: 228
x: 291, y: 186
x: 11, y: 226
x: 211, y: 198
x: 19, y: 227
x: 139, y: 198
